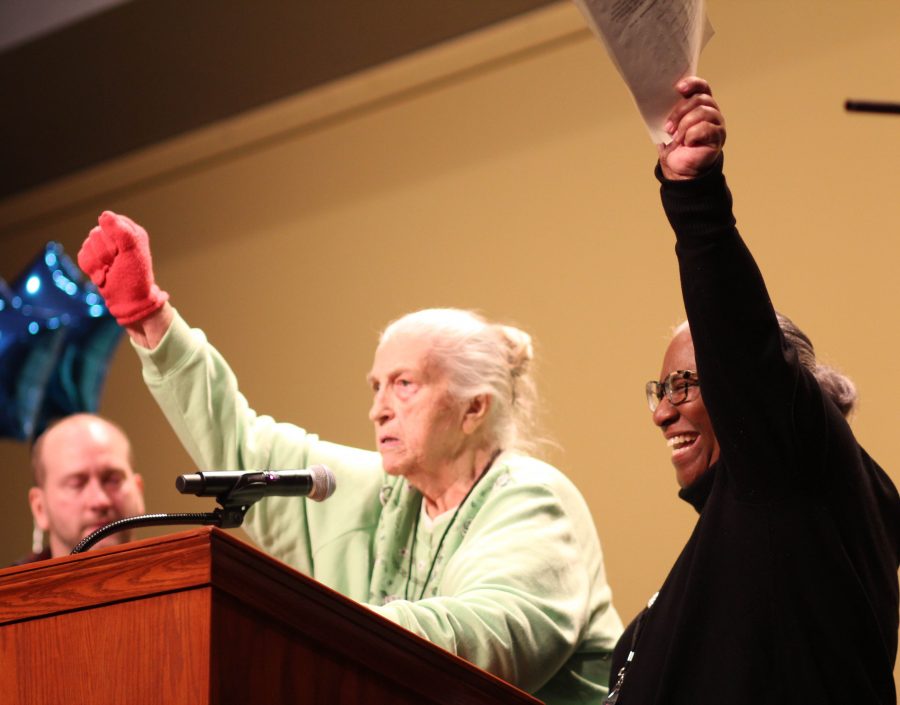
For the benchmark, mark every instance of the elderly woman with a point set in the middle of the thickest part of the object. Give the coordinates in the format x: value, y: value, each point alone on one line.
x: 786, y: 591
x: 448, y: 530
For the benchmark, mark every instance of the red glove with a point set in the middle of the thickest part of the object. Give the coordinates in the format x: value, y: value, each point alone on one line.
x: 116, y: 256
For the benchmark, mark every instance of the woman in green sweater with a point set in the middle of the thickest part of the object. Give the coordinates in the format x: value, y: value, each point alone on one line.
x: 449, y: 529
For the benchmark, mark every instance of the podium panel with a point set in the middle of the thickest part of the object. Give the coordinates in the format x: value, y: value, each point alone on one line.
x: 201, y: 618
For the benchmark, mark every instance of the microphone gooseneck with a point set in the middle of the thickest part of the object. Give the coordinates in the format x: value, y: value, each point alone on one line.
x: 202, y: 518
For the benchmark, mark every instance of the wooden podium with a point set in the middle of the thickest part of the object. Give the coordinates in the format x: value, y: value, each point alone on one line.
x: 201, y: 618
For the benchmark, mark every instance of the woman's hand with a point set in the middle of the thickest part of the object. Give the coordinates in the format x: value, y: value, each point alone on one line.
x: 116, y: 256
x: 698, y: 132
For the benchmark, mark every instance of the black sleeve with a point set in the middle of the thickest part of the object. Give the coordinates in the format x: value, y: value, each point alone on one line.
x: 766, y: 410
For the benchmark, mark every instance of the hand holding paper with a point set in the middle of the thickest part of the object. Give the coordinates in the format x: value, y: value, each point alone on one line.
x: 697, y: 129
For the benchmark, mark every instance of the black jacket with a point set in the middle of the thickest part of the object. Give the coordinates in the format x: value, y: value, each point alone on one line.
x: 786, y: 591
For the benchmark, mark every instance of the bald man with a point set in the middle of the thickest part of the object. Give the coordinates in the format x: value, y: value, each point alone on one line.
x: 83, y: 480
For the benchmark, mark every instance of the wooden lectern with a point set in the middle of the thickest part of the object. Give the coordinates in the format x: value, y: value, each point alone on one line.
x: 201, y: 618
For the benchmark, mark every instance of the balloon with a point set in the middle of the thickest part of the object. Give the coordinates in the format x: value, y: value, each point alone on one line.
x: 53, y: 285
x: 29, y: 348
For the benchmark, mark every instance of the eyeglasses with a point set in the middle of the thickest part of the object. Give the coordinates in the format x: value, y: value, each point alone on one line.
x: 676, y: 387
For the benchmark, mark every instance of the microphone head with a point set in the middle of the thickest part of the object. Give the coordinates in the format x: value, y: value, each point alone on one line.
x: 324, y: 483
x: 189, y: 484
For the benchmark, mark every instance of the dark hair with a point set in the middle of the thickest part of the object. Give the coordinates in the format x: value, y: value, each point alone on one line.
x: 837, y: 386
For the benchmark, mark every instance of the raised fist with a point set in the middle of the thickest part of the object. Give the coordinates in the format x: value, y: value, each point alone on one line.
x: 116, y: 256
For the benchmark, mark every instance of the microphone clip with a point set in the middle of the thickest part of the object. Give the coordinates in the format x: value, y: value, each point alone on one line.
x: 249, y: 489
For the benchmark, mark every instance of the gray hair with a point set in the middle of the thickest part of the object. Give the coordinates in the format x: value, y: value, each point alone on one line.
x: 480, y: 357
x: 837, y: 386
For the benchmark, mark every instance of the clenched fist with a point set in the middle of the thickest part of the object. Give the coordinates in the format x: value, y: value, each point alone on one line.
x: 116, y: 256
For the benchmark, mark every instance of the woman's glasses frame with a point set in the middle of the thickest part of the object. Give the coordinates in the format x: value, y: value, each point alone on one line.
x: 676, y: 387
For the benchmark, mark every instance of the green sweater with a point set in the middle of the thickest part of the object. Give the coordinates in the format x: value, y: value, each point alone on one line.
x: 517, y: 586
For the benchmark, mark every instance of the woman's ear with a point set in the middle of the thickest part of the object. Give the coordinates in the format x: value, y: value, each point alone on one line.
x: 476, y: 412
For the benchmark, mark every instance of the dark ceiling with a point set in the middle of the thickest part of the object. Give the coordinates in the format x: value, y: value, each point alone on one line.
x: 152, y: 69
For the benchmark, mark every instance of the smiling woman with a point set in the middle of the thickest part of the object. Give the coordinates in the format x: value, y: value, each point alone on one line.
x: 450, y: 530
x: 791, y: 568
x: 684, y: 420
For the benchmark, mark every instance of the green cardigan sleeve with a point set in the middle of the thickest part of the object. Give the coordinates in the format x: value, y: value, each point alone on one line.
x: 199, y: 395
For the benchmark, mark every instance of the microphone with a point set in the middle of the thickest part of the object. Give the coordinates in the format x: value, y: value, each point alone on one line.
x: 316, y: 482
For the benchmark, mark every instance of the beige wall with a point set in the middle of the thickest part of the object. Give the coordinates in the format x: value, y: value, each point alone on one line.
x: 509, y: 172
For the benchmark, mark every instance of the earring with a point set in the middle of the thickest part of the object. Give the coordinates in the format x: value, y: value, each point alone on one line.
x: 37, y: 539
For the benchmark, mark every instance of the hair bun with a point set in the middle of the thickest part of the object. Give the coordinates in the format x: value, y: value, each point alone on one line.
x: 838, y: 386
x: 520, y: 350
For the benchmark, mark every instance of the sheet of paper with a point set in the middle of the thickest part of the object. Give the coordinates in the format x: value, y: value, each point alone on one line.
x: 653, y: 43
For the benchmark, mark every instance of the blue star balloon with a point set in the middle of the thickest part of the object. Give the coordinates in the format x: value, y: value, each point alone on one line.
x: 29, y: 349
x: 52, y: 283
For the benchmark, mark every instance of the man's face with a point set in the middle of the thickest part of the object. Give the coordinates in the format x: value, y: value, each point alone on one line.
x: 88, y: 483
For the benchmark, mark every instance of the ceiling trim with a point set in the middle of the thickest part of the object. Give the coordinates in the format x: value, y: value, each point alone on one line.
x: 144, y: 71
x: 540, y: 30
